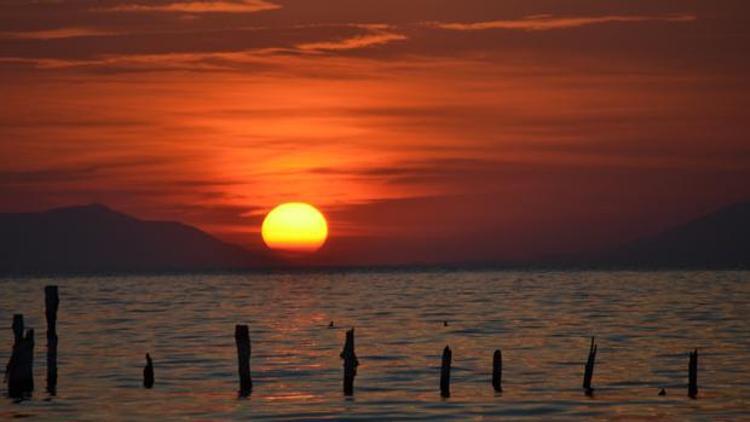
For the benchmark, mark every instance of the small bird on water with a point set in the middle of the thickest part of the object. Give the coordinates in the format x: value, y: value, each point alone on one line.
x: 663, y: 392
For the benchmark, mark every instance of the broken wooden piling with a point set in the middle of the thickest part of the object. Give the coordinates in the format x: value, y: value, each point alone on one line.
x: 17, y: 328
x: 350, y: 363
x: 20, y: 369
x: 589, y: 371
x: 497, y: 371
x: 242, y: 338
x: 693, y: 375
x: 51, y: 303
x: 148, y: 372
x: 445, y: 373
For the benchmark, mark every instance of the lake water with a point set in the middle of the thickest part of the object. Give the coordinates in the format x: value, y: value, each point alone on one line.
x: 645, y: 323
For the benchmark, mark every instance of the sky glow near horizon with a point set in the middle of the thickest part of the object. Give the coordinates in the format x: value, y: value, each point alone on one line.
x: 424, y: 130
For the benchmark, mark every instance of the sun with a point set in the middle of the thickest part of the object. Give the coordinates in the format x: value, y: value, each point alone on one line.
x: 295, y: 227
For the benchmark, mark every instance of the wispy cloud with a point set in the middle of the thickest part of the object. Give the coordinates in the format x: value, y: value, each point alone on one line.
x: 159, y: 61
x: 551, y: 22
x: 378, y: 35
x: 242, y: 6
x: 375, y: 34
x: 57, y: 33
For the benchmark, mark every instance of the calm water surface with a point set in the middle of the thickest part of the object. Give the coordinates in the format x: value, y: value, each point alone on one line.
x: 645, y: 324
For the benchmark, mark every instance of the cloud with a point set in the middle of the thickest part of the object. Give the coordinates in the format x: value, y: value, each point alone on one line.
x: 242, y: 6
x: 379, y: 35
x: 57, y: 33
x: 159, y: 61
x: 62, y: 175
x: 261, y: 58
x: 550, y: 22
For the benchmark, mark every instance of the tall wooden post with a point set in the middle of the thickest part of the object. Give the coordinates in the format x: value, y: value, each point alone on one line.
x: 693, y: 375
x: 20, y: 368
x: 589, y: 370
x: 51, y: 303
x: 148, y: 372
x: 17, y: 328
x: 10, y: 367
x: 350, y: 363
x: 242, y: 338
x: 497, y: 371
x: 445, y: 373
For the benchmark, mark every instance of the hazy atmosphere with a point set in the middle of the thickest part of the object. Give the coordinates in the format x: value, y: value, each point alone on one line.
x: 534, y: 127
x: 524, y: 209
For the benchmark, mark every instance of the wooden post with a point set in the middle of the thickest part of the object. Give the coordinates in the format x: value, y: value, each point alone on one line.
x: 148, y: 372
x: 693, y: 375
x: 445, y: 373
x: 51, y: 303
x: 350, y: 363
x: 497, y: 371
x: 20, y: 369
x: 589, y: 371
x: 242, y: 338
x: 17, y: 328
x: 17, y: 339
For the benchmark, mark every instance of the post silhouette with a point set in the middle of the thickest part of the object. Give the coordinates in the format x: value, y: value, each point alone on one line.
x: 693, y: 375
x: 445, y: 373
x: 51, y: 303
x: 148, y: 373
x: 497, y: 371
x: 589, y: 370
x: 17, y: 328
x: 19, y: 372
x: 350, y: 363
x: 242, y: 338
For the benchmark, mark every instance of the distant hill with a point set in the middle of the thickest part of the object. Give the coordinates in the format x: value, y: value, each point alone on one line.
x: 95, y: 238
x: 720, y: 240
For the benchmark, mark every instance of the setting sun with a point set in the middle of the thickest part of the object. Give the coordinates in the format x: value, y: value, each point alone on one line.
x: 295, y: 227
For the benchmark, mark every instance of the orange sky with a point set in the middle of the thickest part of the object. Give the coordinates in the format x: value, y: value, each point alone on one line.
x: 427, y: 130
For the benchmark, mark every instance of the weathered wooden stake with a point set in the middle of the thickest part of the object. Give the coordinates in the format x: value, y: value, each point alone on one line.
x: 148, y: 372
x: 693, y: 375
x: 350, y: 363
x: 51, y: 303
x: 445, y: 373
x: 17, y: 339
x: 242, y: 338
x: 497, y: 371
x: 20, y: 368
x: 589, y: 371
x: 17, y: 328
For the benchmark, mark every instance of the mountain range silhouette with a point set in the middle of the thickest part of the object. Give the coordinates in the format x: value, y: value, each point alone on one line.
x: 719, y: 240
x: 97, y: 239
x: 94, y: 238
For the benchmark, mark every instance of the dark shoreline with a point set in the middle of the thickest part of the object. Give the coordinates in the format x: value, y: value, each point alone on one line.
x: 357, y: 269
